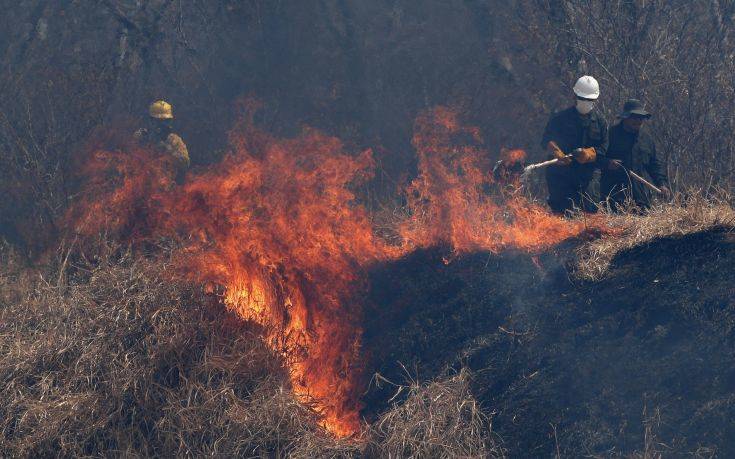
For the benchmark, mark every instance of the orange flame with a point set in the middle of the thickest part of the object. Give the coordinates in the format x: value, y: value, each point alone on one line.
x: 276, y: 224
x: 450, y: 201
x: 512, y: 156
x: 289, y: 246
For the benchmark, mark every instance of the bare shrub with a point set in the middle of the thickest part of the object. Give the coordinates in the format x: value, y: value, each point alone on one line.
x: 41, y: 126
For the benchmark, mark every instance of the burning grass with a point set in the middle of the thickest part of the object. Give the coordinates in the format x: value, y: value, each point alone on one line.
x: 278, y: 226
x: 125, y: 359
x: 685, y: 215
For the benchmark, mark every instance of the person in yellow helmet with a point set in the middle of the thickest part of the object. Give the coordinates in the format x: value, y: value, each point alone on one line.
x: 159, y: 133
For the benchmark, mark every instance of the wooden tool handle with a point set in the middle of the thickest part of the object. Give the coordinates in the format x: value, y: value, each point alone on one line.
x: 645, y: 182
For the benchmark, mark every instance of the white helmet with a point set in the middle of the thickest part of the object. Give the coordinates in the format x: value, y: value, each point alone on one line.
x: 587, y: 87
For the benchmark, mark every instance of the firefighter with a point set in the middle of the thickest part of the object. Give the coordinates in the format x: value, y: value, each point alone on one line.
x: 579, y: 130
x: 159, y: 133
x: 631, y: 149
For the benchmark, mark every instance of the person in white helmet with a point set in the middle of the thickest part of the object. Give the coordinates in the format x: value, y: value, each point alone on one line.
x: 578, y: 130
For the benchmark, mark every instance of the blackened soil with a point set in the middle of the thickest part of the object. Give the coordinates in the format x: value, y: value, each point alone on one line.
x: 589, y: 368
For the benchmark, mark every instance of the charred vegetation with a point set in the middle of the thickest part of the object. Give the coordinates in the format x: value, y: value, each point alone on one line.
x: 563, y: 364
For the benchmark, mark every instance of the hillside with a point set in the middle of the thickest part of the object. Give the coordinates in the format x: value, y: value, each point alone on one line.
x: 338, y: 269
x: 118, y: 357
x: 640, y: 359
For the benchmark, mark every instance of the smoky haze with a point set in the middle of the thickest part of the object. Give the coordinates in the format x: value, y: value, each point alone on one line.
x: 361, y: 71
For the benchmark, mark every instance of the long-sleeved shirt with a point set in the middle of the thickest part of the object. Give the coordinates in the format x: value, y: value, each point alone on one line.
x: 637, y: 152
x: 570, y: 131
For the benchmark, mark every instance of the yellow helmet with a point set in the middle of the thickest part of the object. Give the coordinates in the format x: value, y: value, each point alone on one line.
x: 161, y: 110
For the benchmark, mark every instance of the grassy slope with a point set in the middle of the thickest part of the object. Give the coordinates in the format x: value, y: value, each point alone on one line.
x: 123, y: 359
x: 117, y: 357
x: 638, y: 360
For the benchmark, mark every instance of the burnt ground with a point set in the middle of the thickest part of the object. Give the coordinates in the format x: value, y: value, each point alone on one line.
x: 578, y: 368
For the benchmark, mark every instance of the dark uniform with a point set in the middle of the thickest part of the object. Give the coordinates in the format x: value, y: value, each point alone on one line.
x: 637, y: 152
x: 569, y: 184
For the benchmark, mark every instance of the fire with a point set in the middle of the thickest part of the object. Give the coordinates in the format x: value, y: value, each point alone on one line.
x: 514, y: 156
x: 118, y: 192
x: 455, y: 201
x: 276, y: 225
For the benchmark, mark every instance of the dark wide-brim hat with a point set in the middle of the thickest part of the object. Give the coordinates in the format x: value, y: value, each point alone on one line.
x: 634, y: 107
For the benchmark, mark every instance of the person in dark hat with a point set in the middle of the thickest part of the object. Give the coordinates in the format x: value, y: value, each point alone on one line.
x: 631, y: 149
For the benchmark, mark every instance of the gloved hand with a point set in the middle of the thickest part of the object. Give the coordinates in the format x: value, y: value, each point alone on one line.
x: 585, y: 155
x: 557, y: 153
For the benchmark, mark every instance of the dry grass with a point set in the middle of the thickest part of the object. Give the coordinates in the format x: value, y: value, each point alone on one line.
x: 118, y: 357
x: 680, y: 217
x: 122, y: 359
x: 438, y: 420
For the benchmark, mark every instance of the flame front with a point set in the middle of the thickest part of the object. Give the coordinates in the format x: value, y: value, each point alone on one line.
x: 277, y: 227
x: 454, y: 200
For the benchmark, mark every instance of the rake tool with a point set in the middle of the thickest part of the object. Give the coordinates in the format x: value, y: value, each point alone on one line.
x: 645, y: 182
